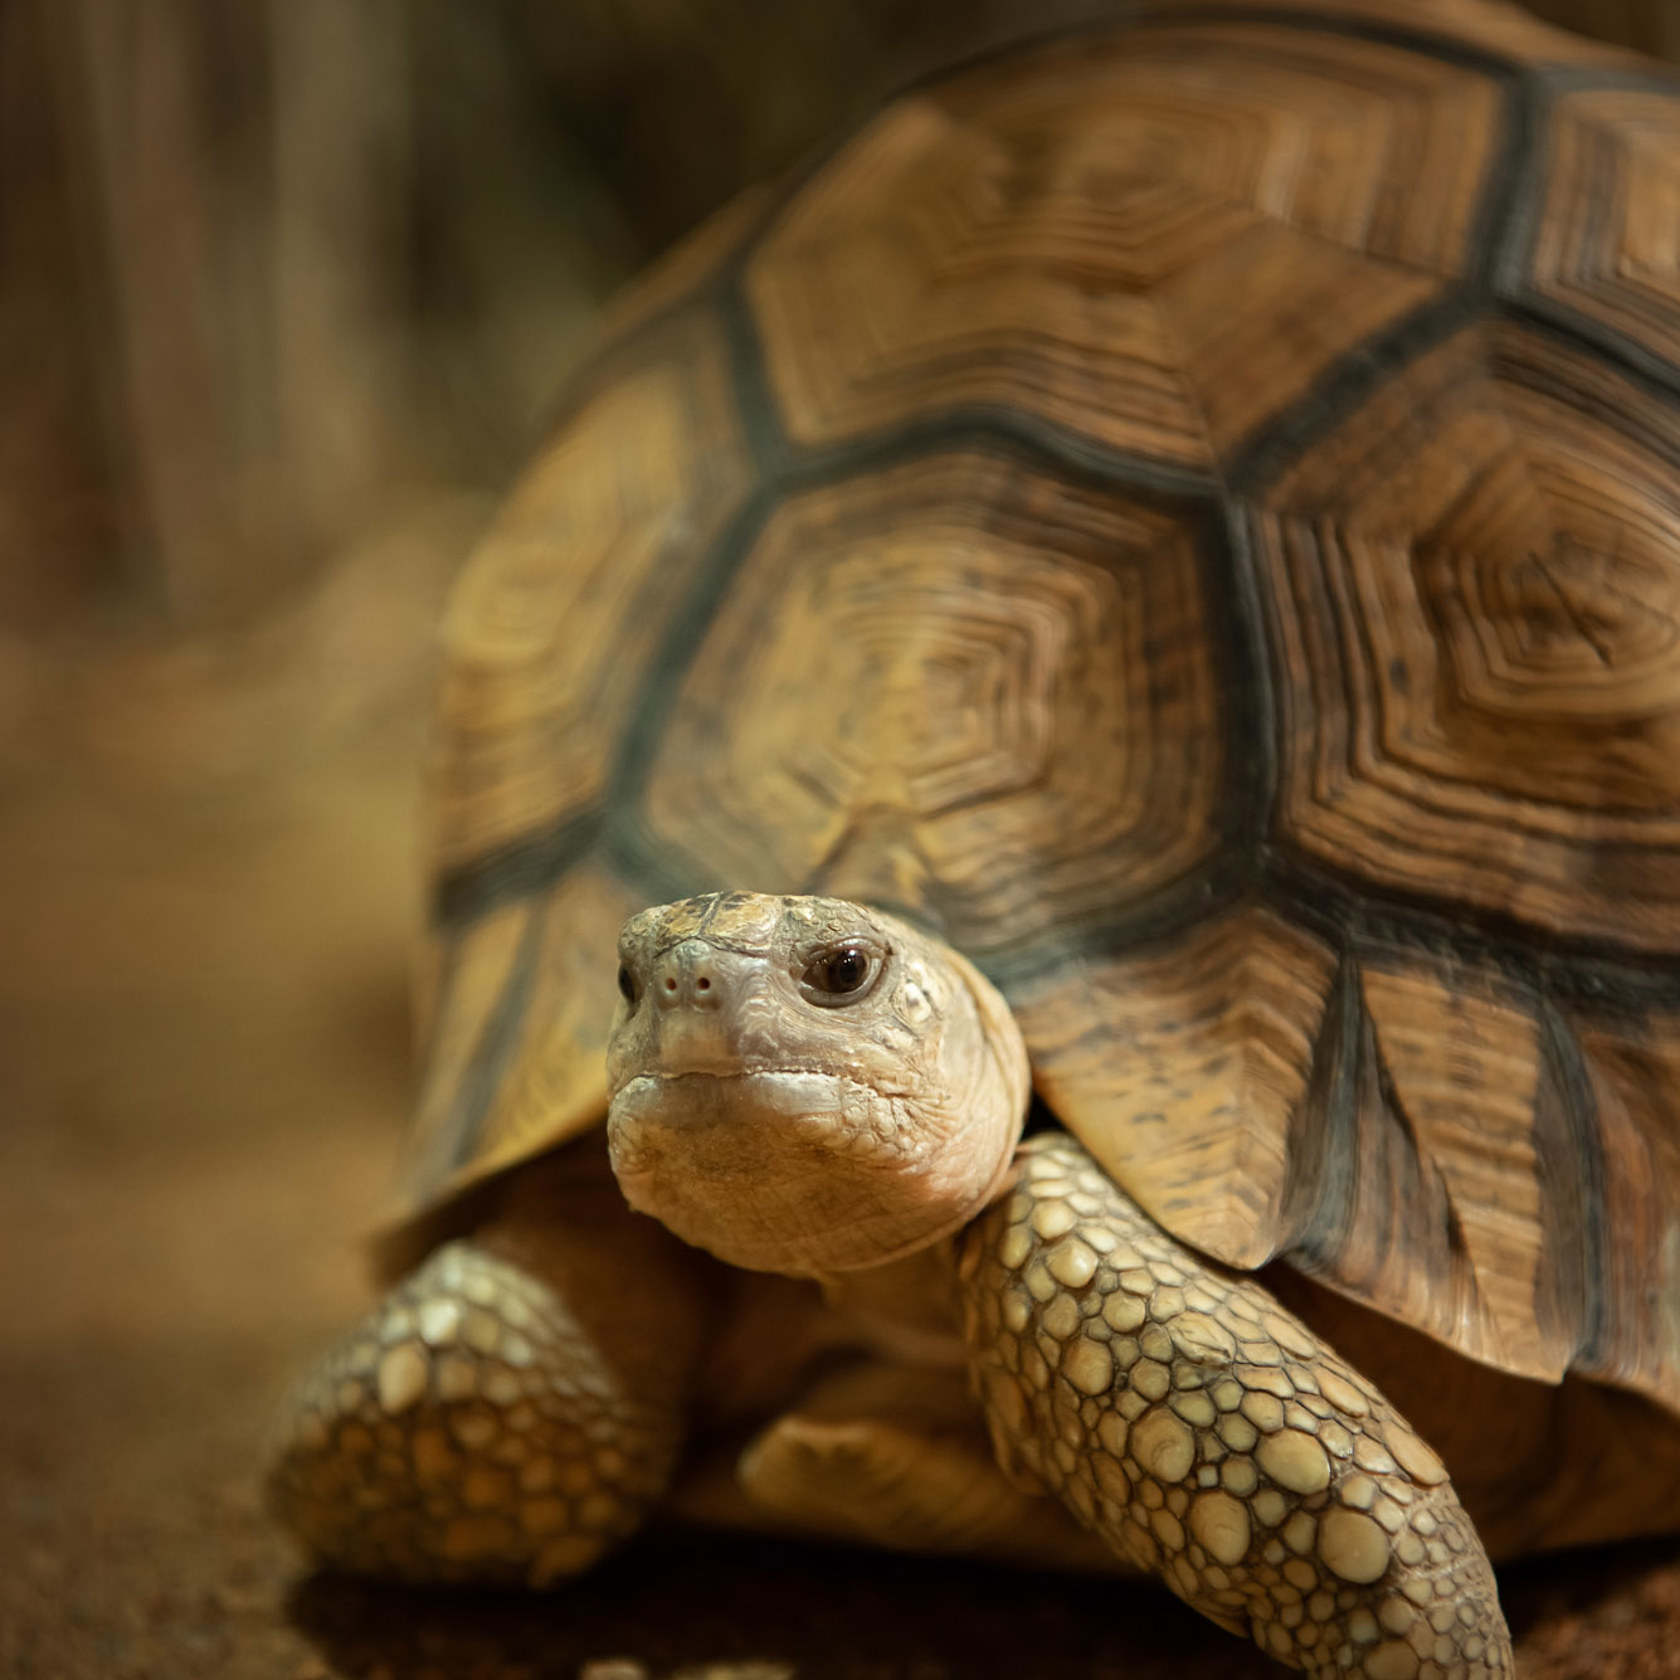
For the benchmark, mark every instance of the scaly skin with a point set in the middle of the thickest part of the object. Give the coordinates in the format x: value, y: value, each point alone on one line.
x: 794, y: 1081
x: 1177, y: 1410
x: 514, y: 1407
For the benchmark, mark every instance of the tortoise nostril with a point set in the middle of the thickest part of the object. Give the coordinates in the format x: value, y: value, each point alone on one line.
x: 689, y: 977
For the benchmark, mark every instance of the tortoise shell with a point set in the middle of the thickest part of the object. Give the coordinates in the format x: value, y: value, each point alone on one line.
x: 1190, y: 512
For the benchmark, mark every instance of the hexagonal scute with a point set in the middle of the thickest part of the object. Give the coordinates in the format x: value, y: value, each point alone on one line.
x: 1202, y: 216
x: 1219, y: 1027
x: 1607, y: 234
x: 564, y: 604
x: 958, y: 685
x: 1475, y: 614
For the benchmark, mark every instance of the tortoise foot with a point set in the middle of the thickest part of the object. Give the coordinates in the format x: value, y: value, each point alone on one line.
x: 1182, y: 1414
x: 895, y: 1457
x: 468, y: 1429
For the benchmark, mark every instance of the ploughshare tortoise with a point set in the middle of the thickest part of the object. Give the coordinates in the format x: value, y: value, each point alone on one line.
x: 1187, y: 516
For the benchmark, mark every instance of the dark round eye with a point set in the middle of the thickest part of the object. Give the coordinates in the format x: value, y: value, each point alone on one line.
x: 626, y: 984
x: 839, y: 976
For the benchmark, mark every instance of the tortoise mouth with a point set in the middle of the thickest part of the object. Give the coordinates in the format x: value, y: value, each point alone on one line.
x: 688, y: 1099
x: 785, y: 1170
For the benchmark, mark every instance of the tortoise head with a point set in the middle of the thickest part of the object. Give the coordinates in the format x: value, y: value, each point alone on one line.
x: 802, y: 1085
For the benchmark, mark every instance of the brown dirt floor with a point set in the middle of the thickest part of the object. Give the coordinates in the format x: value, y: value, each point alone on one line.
x: 207, y: 890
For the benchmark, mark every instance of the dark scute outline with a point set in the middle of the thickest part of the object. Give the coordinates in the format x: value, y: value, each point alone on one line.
x: 661, y: 868
x: 1338, y: 1173
x: 1639, y: 365
x: 493, y: 1052
x: 1322, y: 1188
x: 1510, y: 274
x: 1576, y: 1262
x: 1653, y: 76
x: 1585, y: 968
x: 1588, y: 970
x: 1344, y: 387
x: 534, y: 864
x: 523, y: 868
x: 1348, y: 916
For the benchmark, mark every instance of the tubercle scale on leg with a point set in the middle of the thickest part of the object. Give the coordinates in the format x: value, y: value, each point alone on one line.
x: 468, y: 1429
x: 1180, y: 1412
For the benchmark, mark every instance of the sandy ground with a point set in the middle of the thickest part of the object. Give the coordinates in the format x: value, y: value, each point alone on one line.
x: 207, y: 894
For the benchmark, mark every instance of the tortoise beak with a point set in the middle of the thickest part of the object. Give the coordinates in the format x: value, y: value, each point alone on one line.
x: 689, y: 1017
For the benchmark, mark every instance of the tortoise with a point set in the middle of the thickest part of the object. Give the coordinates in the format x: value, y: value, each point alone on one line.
x: 1187, y: 516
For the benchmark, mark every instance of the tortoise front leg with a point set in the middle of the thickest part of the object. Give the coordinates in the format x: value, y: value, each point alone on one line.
x: 1180, y: 1412
x: 511, y: 1409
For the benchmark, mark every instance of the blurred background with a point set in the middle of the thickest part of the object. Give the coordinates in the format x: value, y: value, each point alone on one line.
x: 286, y: 288
x: 270, y: 265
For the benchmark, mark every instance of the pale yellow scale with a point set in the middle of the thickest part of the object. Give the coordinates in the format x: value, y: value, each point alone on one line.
x: 1178, y: 1411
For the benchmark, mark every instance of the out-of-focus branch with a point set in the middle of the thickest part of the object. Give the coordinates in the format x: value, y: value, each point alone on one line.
x: 241, y: 171
x: 341, y: 166
x: 156, y: 141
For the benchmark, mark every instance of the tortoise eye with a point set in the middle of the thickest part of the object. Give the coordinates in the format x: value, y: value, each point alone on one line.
x: 626, y: 985
x: 839, y: 976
